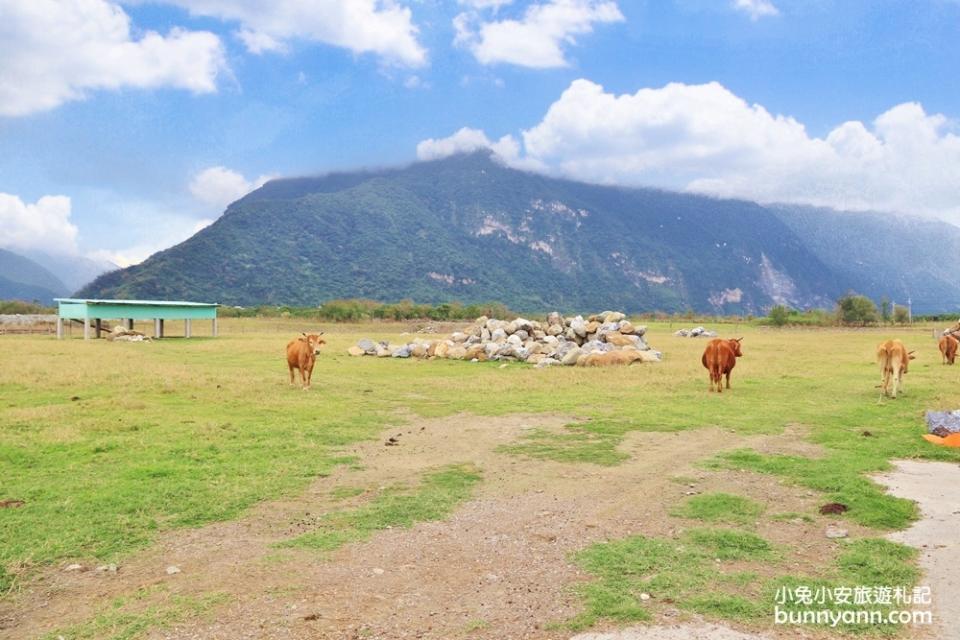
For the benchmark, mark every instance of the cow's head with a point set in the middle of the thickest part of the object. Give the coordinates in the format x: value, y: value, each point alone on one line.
x: 912, y: 355
x: 314, y: 341
x: 735, y: 345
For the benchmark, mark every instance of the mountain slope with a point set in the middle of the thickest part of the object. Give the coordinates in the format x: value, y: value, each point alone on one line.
x: 24, y: 279
x: 470, y: 229
x: 74, y: 271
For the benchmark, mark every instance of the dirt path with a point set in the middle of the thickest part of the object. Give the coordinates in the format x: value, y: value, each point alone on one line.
x: 936, y: 488
x: 497, y: 568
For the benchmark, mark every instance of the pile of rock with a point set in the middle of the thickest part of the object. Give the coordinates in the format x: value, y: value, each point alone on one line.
x: 696, y: 332
x: 557, y: 340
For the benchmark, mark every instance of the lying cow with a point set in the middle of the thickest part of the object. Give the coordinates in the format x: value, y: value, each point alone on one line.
x: 893, y: 359
x: 610, y: 358
x: 948, y: 348
x: 302, y: 354
x: 719, y: 358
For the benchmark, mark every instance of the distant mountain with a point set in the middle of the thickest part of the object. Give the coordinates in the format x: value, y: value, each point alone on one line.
x: 74, y: 270
x: 24, y: 279
x: 470, y: 229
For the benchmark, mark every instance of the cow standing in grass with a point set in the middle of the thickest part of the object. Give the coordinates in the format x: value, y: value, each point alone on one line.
x: 302, y: 354
x: 719, y: 358
x: 948, y: 348
x: 893, y: 359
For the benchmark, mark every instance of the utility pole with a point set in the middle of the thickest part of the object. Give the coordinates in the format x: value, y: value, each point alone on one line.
x: 909, y: 310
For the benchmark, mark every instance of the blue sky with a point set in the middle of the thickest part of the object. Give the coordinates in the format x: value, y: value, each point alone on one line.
x: 126, y: 126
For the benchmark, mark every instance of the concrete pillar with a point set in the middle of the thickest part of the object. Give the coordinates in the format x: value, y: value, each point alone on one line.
x: 214, y: 327
x: 99, y: 327
x: 186, y: 328
x: 161, y: 327
x: 86, y: 328
x: 59, y: 328
x: 129, y: 324
x: 156, y: 328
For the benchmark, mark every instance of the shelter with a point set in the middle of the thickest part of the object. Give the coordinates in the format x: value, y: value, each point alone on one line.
x: 130, y: 310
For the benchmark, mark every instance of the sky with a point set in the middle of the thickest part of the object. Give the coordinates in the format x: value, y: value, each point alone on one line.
x: 127, y: 126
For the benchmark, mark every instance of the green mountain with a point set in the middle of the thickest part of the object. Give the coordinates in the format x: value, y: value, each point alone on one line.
x: 470, y: 229
x: 24, y: 279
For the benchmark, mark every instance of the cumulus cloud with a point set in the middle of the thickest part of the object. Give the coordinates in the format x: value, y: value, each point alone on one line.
x: 756, y: 9
x: 219, y: 186
x: 537, y: 40
x: 43, y: 226
x: 468, y: 140
x: 704, y: 138
x: 380, y: 27
x: 54, y: 51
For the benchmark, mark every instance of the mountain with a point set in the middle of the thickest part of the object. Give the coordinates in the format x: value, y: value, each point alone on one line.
x: 24, y: 279
x: 74, y: 271
x: 467, y: 228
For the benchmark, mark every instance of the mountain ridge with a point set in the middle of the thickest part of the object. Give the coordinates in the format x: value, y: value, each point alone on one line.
x: 468, y: 228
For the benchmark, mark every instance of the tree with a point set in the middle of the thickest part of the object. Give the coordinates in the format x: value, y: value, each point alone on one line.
x: 854, y: 309
x: 885, y: 308
x: 900, y: 314
x: 778, y: 315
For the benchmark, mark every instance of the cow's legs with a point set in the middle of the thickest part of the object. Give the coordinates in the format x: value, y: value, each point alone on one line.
x: 291, y: 375
x: 728, y: 379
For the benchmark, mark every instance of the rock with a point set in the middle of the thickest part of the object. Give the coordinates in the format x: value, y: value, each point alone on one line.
x: 418, y: 350
x: 498, y: 335
x: 696, y: 331
x: 595, y: 346
x: 440, y: 351
x: 536, y: 358
x: 173, y: 569
x: 681, y: 333
x: 639, y: 330
x: 401, y: 352
x: 73, y: 567
x: 592, y: 326
x: 514, y: 340
x: 491, y: 349
x: 356, y: 351
x: 644, y: 596
x: 456, y: 352
x: 612, y: 316
x: 538, y: 334
x: 523, y: 334
x: 550, y: 341
x: 570, y: 358
x: 578, y: 326
x: 368, y: 346
x: 617, y: 339
x: 555, y: 330
x: 547, y: 362
x: 377, y: 571
x: 458, y: 337
x: 485, y: 335
x: 570, y: 334
x: 554, y: 319
x: 107, y: 568
x: 475, y: 351
x: 383, y: 350
x: 625, y: 326
x: 482, y: 320
x: 511, y: 328
x: 835, y: 532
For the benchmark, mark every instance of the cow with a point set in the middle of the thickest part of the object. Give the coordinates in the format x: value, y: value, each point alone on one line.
x: 894, y: 360
x: 610, y: 358
x: 719, y: 358
x: 948, y: 348
x: 302, y: 353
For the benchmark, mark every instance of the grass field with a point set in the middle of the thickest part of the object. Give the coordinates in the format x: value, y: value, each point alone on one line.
x: 112, y: 445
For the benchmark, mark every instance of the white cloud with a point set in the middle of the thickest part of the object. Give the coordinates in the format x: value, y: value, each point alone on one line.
x: 219, y: 186
x: 467, y: 140
x: 704, y: 138
x: 493, y: 5
x: 42, y: 226
x: 381, y: 27
x: 756, y: 9
x: 538, y: 39
x: 169, y: 235
x: 54, y: 51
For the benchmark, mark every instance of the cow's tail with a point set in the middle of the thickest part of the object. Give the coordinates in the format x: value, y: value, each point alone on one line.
x: 716, y: 366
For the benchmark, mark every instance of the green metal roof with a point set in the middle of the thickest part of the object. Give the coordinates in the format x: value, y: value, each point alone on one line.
x: 141, y: 303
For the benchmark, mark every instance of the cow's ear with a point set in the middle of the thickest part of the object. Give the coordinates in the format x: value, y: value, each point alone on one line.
x: 303, y: 334
x: 738, y: 339
x: 321, y: 333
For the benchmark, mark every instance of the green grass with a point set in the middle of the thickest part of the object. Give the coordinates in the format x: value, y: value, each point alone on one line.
x: 127, y: 618
x: 720, y: 507
x: 436, y: 496
x: 593, y: 442
x: 342, y: 493
x: 684, y: 572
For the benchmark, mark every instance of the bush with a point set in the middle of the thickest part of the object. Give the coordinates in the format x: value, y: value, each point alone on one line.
x: 779, y: 315
x: 853, y: 309
x: 901, y: 315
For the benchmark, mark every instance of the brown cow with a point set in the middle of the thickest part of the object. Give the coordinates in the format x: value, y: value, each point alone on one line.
x: 719, y: 358
x: 894, y: 360
x: 948, y: 348
x: 302, y: 354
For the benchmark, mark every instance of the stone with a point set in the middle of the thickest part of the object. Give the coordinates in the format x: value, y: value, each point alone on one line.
x: 511, y: 328
x: 485, y: 335
x: 592, y: 326
x: 440, y: 351
x: 456, y: 352
x: 172, y: 570
x: 626, y: 326
x: 418, y: 350
x: 401, y: 352
x: 612, y: 316
x: 547, y: 362
x: 835, y: 532
x: 368, y: 346
x: 523, y: 334
x: 356, y: 351
x: 536, y: 358
x: 639, y: 330
x: 571, y: 357
x: 458, y: 337
x: 554, y: 319
x: 555, y: 330
x: 596, y: 346
x: 538, y: 334
x: 377, y: 571
x: 107, y: 568
x: 475, y: 351
x: 578, y: 326
x: 491, y: 349
x: 73, y: 567
x: 617, y: 339
x: 498, y: 335
x: 550, y: 341
x: 514, y: 340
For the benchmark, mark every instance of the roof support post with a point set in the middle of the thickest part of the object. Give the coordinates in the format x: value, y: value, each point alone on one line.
x: 99, y: 327
x: 59, y: 328
x: 214, y: 327
x: 186, y: 328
